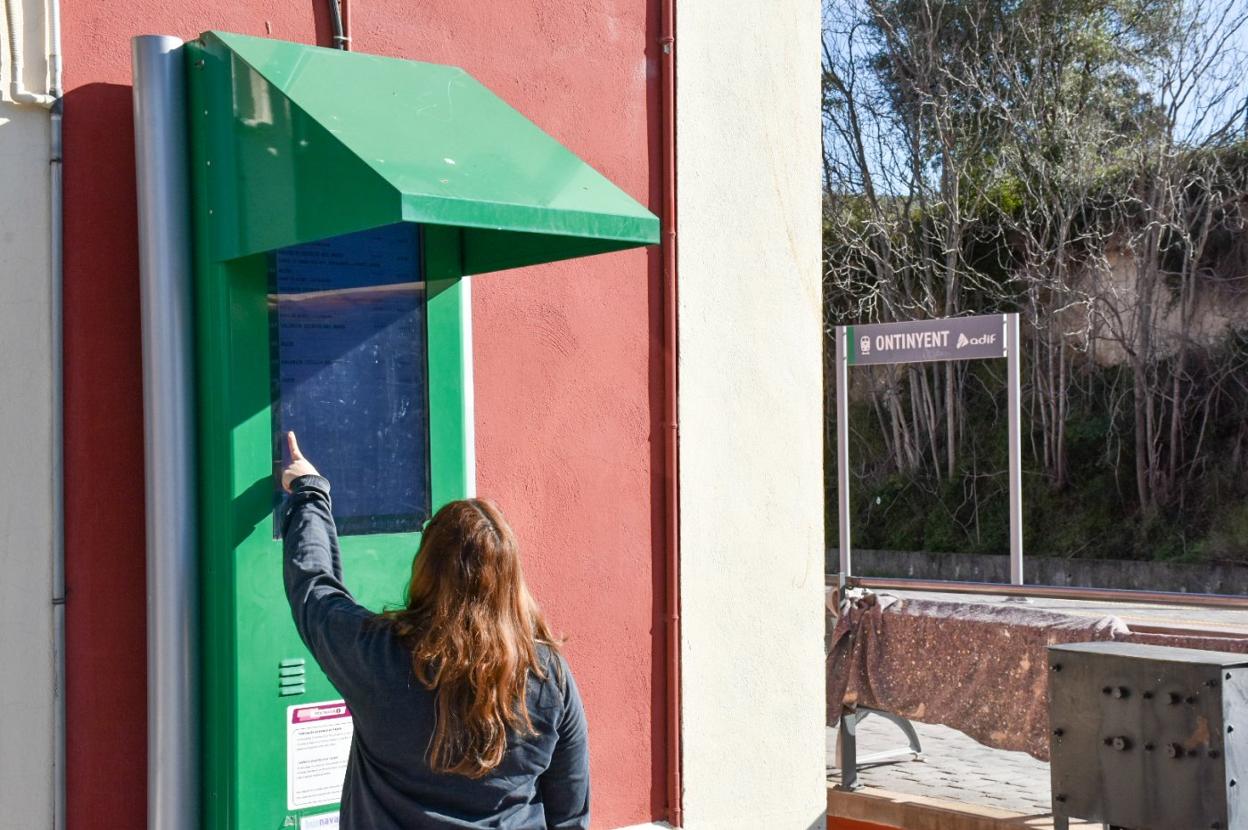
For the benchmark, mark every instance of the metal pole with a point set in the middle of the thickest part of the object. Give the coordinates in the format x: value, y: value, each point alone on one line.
x: 842, y: 444
x: 1013, y: 359
x: 168, y: 409
x: 1049, y: 592
x: 57, y: 226
x: 55, y: 166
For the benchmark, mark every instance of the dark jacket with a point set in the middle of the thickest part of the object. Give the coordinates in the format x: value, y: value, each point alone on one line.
x: 543, y: 781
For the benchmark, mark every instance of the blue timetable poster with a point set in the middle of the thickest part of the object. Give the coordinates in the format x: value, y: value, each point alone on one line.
x: 348, y: 358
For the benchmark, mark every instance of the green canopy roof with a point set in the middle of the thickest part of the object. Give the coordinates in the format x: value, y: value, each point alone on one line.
x: 321, y: 142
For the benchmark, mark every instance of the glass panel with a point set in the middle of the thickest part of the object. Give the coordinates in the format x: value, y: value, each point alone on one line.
x: 348, y: 352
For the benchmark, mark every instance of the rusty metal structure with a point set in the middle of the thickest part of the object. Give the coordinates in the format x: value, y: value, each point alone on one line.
x: 1148, y: 737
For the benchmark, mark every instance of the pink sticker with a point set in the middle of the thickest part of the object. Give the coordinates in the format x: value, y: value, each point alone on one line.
x: 310, y: 714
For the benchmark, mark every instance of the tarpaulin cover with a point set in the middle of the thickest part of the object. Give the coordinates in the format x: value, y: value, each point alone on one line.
x: 976, y: 667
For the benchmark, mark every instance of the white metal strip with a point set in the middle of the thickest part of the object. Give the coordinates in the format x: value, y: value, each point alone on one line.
x: 470, y: 423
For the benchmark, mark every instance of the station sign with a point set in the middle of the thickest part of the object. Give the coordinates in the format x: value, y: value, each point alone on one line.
x: 925, y: 341
x: 922, y: 341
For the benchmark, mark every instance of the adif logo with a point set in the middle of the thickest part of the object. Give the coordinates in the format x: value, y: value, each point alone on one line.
x: 982, y: 340
x: 864, y: 344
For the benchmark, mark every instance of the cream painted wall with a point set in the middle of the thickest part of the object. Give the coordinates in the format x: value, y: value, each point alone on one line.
x: 751, y: 484
x: 25, y: 448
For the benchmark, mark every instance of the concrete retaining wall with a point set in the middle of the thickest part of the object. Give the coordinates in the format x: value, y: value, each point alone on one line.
x: 1085, y: 573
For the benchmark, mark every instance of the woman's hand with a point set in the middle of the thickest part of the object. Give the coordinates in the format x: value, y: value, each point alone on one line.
x: 298, y: 466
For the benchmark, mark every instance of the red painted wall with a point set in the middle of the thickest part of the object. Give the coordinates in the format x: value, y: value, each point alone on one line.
x: 567, y: 370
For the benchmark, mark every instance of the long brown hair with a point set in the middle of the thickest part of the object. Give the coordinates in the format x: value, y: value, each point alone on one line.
x: 473, y: 628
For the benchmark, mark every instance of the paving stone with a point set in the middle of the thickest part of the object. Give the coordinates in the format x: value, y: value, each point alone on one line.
x: 954, y: 768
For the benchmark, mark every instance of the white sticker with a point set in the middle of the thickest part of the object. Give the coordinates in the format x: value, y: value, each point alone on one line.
x: 319, y: 821
x: 318, y: 743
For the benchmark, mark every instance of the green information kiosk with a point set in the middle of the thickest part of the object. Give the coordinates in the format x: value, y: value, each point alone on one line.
x: 338, y: 201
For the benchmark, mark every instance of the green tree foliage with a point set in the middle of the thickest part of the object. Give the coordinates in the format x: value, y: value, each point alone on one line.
x: 1081, y: 162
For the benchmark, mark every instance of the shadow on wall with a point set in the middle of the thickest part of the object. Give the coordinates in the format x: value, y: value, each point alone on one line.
x: 104, y: 536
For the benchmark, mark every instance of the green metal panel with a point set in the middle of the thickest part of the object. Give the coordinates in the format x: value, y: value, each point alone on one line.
x: 251, y: 646
x: 351, y: 141
x: 254, y: 664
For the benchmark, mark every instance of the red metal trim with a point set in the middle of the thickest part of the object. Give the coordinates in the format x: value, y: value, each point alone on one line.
x: 1050, y: 592
x: 671, y: 431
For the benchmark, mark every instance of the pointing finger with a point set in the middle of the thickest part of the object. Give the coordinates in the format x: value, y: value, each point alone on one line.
x: 293, y: 444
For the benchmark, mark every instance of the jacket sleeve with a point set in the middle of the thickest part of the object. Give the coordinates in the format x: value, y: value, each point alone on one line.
x: 564, y: 786
x: 329, y: 620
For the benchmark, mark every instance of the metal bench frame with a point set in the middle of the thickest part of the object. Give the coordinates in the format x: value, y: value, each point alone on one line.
x: 847, y: 745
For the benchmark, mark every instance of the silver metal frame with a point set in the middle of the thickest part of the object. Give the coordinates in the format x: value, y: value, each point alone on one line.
x: 169, y: 440
x: 842, y: 446
x: 850, y: 762
x: 1013, y: 370
x: 1012, y: 344
x: 470, y: 403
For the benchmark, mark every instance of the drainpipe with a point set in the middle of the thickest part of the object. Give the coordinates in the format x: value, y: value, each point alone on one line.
x: 169, y: 439
x: 671, y: 428
x: 17, y: 62
x: 57, y: 259
x: 337, y: 14
x: 57, y: 225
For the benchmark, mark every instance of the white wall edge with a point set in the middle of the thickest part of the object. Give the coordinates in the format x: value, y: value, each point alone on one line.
x: 28, y: 527
x: 470, y: 403
x: 750, y: 357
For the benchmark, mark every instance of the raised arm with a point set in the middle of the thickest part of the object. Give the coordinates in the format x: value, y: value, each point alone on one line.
x: 329, y: 620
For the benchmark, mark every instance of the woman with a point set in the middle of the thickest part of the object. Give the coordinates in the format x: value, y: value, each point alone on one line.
x: 466, y: 715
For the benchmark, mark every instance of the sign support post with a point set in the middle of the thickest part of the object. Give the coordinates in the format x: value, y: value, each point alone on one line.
x: 842, y: 444
x: 921, y: 341
x: 1013, y: 381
